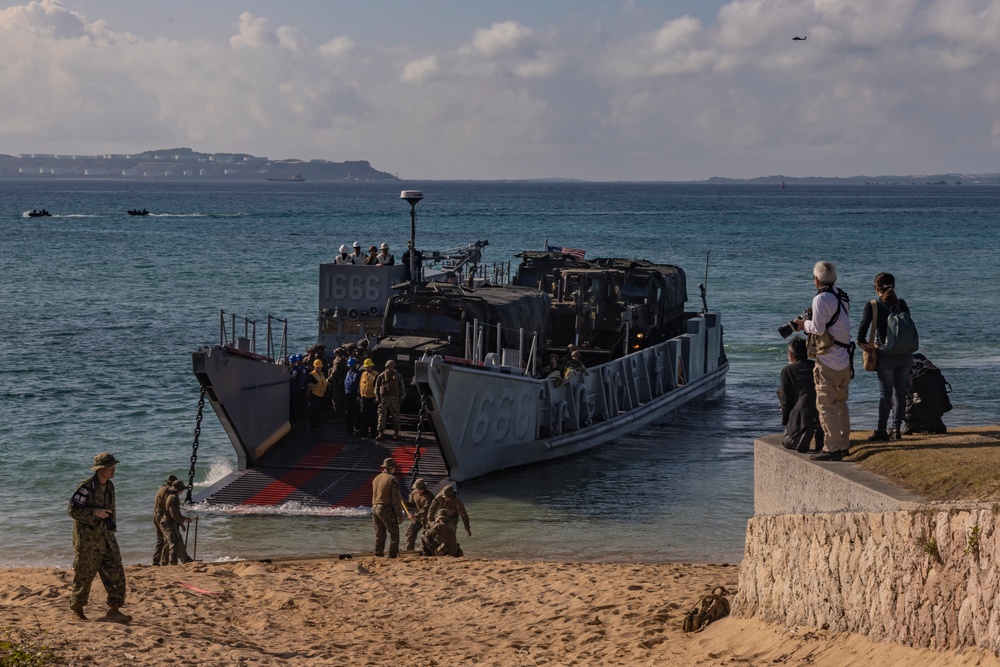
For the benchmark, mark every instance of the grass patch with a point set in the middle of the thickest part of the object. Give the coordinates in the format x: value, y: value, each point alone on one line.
x: 963, y: 464
x: 19, y: 649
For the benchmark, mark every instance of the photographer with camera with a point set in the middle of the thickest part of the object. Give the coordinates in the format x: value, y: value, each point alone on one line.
x: 830, y: 343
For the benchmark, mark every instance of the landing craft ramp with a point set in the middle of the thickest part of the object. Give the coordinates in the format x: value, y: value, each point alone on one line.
x: 326, y: 468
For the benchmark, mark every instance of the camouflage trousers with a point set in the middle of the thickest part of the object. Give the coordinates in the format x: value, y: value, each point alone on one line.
x: 388, y: 408
x: 412, y: 532
x: 174, y: 550
x: 101, y: 557
x: 158, y: 549
x: 386, y: 523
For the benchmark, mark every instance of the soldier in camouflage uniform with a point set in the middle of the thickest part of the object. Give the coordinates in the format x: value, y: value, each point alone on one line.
x: 92, y: 508
x: 440, y: 538
x: 158, y: 509
x: 448, y: 500
x: 387, y: 509
x: 420, y: 499
x: 171, y: 525
x: 389, y: 388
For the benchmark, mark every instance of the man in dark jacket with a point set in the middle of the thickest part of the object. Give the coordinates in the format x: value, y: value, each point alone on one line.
x: 797, y: 395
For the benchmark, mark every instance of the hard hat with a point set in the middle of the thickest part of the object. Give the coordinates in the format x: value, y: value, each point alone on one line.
x: 343, y: 249
x: 352, y: 362
x: 384, y: 246
x: 317, y: 364
x: 368, y: 363
x: 357, y: 245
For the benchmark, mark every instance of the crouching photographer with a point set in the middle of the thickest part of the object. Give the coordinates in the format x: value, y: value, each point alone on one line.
x: 830, y: 343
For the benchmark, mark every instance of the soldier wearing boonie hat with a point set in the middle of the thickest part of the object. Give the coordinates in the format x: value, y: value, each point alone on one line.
x: 92, y: 508
x: 387, y: 509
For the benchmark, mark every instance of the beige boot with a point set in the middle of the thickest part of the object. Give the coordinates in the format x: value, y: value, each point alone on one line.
x: 78, y: 610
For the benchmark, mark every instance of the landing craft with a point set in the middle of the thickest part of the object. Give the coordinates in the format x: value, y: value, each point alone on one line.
x: 471, y: 351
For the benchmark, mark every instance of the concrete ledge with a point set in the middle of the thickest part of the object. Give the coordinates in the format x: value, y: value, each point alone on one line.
x: 786, y: 482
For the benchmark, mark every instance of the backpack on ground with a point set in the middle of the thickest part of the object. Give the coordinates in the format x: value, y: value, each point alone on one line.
x: 926, y: 394
x: 900, y: 333
x: 711, y: 608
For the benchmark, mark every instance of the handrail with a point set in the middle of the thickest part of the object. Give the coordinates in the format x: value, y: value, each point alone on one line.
x: 277, y: 352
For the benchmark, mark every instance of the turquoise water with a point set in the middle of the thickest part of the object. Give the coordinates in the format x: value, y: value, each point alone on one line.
x: 100, y: 312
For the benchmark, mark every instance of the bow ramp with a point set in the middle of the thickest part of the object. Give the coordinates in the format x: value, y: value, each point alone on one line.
x: 327, y: 468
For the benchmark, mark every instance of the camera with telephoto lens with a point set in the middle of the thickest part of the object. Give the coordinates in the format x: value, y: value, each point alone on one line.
x: 788, y: 328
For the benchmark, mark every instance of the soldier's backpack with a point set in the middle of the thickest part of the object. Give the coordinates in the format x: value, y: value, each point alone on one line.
x: 927, y: 391
x: 900, y: 333
x: 711, y: 608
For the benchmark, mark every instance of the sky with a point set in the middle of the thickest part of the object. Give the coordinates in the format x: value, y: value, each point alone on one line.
x: 453, y: 89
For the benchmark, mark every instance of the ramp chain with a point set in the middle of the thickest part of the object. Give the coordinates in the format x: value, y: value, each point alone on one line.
x: 416, y: 449
x: 194, y: 444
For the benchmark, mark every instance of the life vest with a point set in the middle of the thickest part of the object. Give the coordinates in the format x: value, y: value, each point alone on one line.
x: 368, y: 384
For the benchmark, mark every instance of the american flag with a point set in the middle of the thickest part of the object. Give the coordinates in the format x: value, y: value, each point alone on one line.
x: 575, y: 253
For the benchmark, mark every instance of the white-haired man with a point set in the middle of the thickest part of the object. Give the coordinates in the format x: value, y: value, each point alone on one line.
x: 829, y: 331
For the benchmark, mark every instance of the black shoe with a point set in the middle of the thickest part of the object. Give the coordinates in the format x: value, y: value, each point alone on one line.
x: 828, y: 456
x: 879, y: 436
x: 907, y: 430
x: 896, y: 434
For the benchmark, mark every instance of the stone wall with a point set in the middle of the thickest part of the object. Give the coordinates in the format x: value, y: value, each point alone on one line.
x: 925, y: 578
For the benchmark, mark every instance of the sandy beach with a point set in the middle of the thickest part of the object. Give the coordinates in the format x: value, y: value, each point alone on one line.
x: 420, y: 611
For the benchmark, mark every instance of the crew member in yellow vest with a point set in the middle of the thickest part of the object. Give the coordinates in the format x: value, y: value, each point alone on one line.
x: 368, y: 419
x: 316, y: 388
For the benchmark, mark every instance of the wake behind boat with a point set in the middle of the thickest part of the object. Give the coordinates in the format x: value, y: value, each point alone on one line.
x: 488, y: 391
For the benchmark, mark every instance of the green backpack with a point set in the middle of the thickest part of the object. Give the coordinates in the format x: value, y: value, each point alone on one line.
x: 900, y: 333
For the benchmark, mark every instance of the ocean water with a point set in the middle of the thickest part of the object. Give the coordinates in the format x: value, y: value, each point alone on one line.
x: 99, y: 312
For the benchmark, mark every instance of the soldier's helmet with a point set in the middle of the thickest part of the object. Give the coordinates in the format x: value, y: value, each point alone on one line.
x: 419, y: 483
x: 104, y: 460
x: 179, y: 485
x: 389, y: 463
x: 449, y: 490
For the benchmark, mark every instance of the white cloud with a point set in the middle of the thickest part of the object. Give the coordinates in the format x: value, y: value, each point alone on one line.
x: 337, y: 47
x: 500, y: 38
x: 893, y: 86
x: 418, y: 70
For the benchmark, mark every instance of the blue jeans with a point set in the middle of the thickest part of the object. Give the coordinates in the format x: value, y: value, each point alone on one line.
x: 893, y: 372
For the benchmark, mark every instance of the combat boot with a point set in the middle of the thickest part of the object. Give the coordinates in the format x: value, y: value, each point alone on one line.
x: 380, y: 436
x: 114, y: 615
x: 78, y: 610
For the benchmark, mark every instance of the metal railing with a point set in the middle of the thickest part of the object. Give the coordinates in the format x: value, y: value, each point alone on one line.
x: 275, y: 351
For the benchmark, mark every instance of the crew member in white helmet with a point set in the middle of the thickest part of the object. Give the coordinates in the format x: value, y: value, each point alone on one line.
x: 344, y: 257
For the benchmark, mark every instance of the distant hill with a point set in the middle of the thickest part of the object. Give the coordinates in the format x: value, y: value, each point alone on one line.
x: 184, y: 163
x: 926, y: 179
